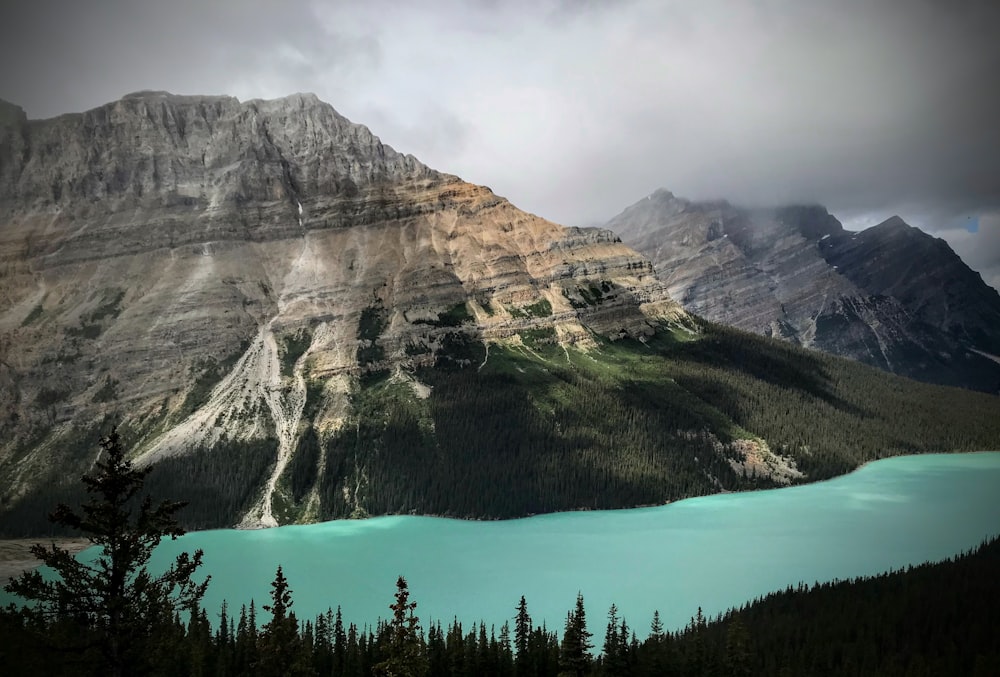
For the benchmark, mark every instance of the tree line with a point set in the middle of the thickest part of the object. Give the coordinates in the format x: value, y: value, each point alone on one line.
x: 115, y: 617
x: 537, y: 427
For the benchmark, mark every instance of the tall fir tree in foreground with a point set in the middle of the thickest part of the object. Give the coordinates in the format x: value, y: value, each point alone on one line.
x: 113, y: 610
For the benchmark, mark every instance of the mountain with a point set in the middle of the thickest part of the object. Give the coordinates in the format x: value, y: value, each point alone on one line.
x: 161, y: 246
x: 289, y: 321
x: 890, y: 296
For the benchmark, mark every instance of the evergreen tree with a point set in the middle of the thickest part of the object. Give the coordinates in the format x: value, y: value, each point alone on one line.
x: 116, y: 603
x: 613, y: 660
x: 322, y: 658
x: 698, y: 652
x: 245, y: 657
x: 522, y: 635
x: 224, y: 643
x: 279, y: 640
x: 482, y: 654
x: 574, y: 656
x: 339, y: 644
x: 199, y: 646
x: 352, y: 657
x: 737, y: 649
x: 406, y: 652
x: 437, y: 652
x: 506, y: 653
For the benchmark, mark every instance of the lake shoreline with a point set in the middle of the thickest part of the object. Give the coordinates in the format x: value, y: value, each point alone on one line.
x: 15, y: 556
x: 716, y: 552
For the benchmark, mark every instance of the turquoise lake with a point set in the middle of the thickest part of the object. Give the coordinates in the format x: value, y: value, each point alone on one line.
x: 715, y: 552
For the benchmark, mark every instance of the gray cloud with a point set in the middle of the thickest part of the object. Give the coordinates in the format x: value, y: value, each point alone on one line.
x: 980, y: 249
x: 574, y: 110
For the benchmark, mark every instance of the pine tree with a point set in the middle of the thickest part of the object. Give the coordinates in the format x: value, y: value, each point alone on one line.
x: 574, y: 656
x: 656, y: 627
x: 617, y: 648
x: 116, y: 602
x: 437, y: 655
x: 482, y: 654
x: 224, y: 643
x: 612, y: 646
x: 698, y: 656
x: 737, y: 648
x: 352, y: 657
x: 279, y: 639
x: 522, y: 635
x: 322, y: 658
x: 406, y: 652
x: 199, y: 645
x: 339, y: 644
x: 506, y: 654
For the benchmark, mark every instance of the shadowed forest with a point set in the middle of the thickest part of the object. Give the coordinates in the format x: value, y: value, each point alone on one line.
x: 113, y: 616
x: 535, y: 427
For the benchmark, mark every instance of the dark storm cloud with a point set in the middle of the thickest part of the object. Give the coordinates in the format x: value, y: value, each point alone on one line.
x: 574, y: 110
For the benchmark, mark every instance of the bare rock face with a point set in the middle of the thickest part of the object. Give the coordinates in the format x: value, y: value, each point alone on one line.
x: 890, y: 296
x: 195, y: 264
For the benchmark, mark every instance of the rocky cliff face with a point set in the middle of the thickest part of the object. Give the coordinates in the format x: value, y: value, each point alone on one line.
x: 200, y: 267
x: 890, y: 296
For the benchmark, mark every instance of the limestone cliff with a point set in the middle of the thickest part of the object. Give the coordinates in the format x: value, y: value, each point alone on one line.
x: 199, y: 267
x: 890, y: 296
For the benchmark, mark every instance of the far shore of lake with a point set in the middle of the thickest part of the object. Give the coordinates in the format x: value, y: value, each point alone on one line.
x: 16, y: 557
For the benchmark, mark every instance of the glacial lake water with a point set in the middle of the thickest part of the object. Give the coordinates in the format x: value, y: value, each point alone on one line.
x: 715, y: 551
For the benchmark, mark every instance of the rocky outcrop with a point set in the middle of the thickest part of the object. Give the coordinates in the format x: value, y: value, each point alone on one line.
x: 195, y: 265
x: 890, y: 296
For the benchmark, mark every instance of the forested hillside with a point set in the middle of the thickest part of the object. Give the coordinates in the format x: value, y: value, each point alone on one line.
x: 531, y: 426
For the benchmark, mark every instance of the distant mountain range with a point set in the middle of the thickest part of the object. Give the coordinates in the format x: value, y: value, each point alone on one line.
x: 290, y: 321
x: 890, y: 296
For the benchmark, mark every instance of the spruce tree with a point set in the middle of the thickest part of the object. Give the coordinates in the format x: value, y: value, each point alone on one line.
x: 279, y: 639
x: 407, y: 656
x: 506, y: 654
x: 616, y: 646
x: 574, y: 655
x: 117, y: 604
x: 522, y: 635
x: 737, y: 648
x: 339, y: 644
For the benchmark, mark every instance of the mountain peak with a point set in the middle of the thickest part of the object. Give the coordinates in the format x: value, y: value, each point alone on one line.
x: 186, y: 148
x: 894, y: 222
x: 813, y: 221
x: 891, y: 295
x: 160, y: 238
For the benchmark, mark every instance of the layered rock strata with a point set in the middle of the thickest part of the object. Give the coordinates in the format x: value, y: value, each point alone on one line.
x: 195, y: 264
x: 890, y: 296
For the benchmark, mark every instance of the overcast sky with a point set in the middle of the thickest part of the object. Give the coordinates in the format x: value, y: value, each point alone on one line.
x: 574, y: 110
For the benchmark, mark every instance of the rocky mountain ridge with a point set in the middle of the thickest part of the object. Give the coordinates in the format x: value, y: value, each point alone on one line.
x: 205, y: 270
x: 890, y: 296
x: 290, y: 321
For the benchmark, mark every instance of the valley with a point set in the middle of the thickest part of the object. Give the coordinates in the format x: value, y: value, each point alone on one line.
x: 499, y: 339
